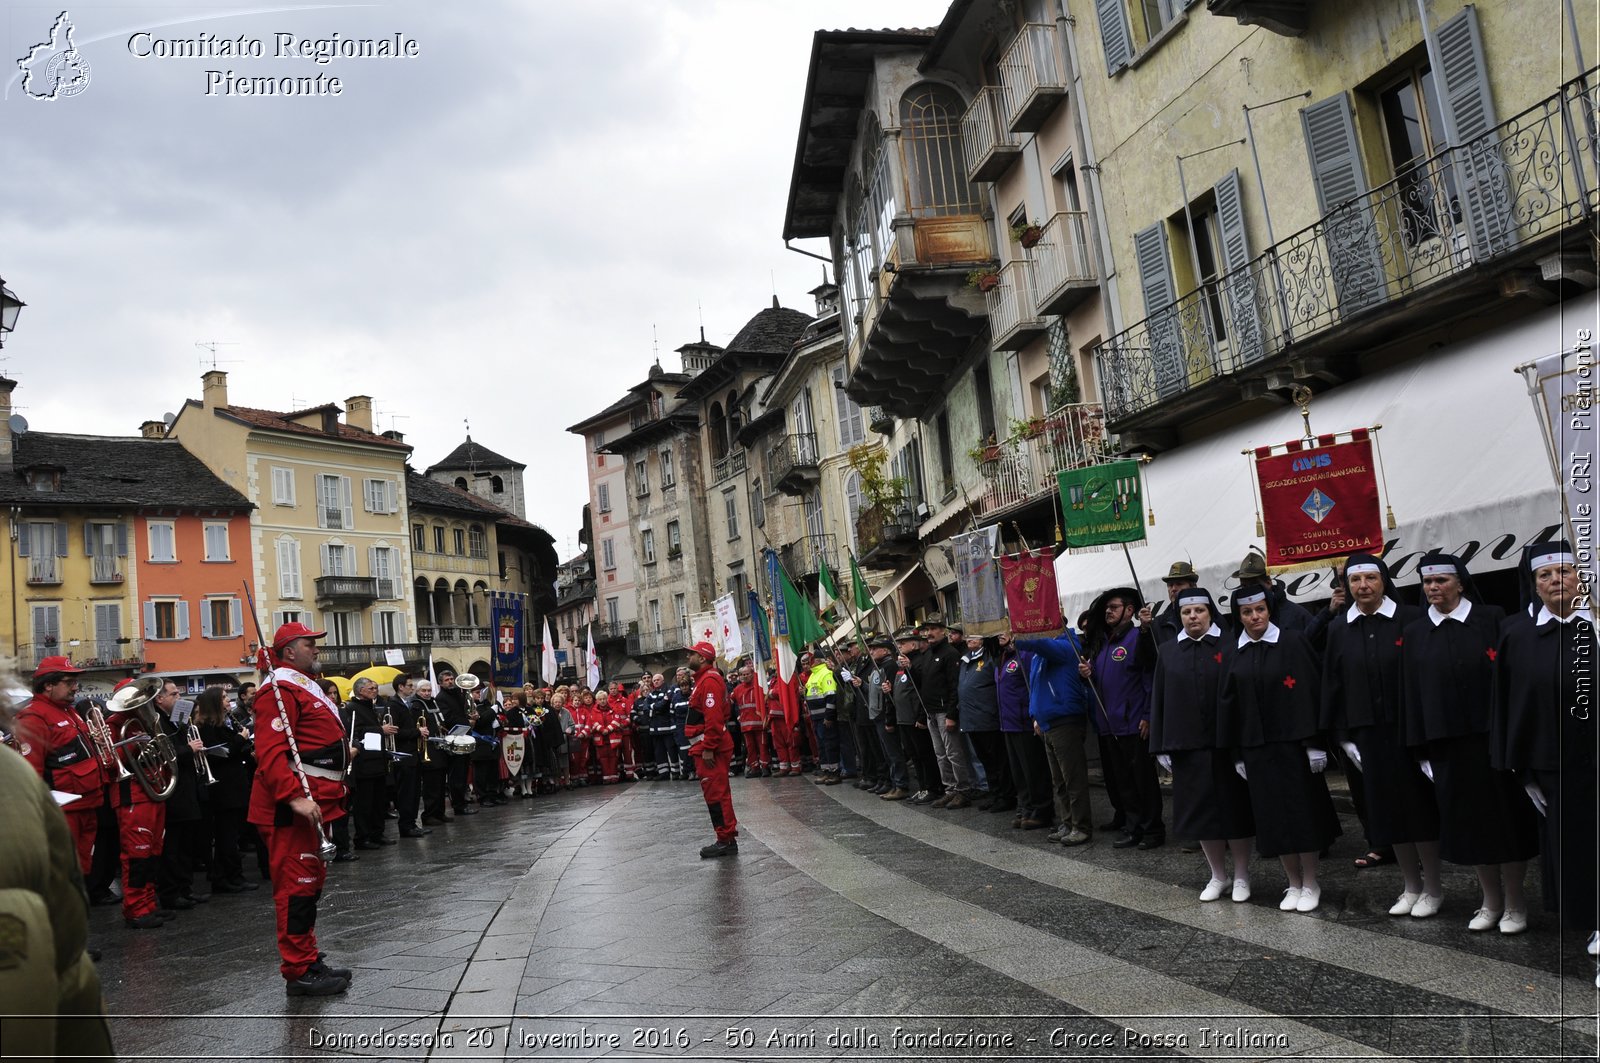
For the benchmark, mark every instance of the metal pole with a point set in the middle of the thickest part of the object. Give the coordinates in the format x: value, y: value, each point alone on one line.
x: 1188, y: 219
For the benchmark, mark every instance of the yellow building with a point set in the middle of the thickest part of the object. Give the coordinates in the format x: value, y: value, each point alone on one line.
x: 329, y: 531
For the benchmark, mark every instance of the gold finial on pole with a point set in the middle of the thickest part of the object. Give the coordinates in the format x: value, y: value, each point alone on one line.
x: 1300, y: 395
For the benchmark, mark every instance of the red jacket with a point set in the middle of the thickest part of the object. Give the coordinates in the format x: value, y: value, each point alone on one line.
x: 707, y: 726
x: 748, y: 700
x: 55, y: 740
x: 318, y: 733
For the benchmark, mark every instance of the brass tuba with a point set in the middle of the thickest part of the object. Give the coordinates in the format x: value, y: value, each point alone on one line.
x: 135, y: 723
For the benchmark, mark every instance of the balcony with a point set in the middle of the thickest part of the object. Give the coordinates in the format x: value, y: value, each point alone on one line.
x: 1466, y: 226
x: 792, y: 463
x: 879, y: 419
x: 1032, y: 77
x: 1064, y: 273
x: 44, y: 571
x: 346, y: 658
x: 730, y: 464
x: 346, y: 590
x: 106, y: 569
x: 989, y: 145
x: 91, y: 654
x: 615, y: 632
x: 1288, y: 18
x: 450, y: 635
x: 1069, y: 437
x: 655, y: 642
x: 804, y: 557
x: 886, y: 533
x: 1013, y: 320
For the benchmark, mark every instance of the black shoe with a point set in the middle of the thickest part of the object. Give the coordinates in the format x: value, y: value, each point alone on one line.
x: 1112, y: 824
x: 366, y: 846
x: 433, y: 821
x: 1152, y: 841
x: 321, y: 967
x: 727, y: 848
x: 146, y: 922
x: 466, y: 812
x: 178, y: 904
x: 104, y: 898
x: 345, y: 857
x: 316, y: 983
x: 1127, y: 841
x: 413, y: 833
x: 198, y: 898
x: 387, y: 841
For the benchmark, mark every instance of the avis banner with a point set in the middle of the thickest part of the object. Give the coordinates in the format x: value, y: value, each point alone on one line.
x: 1319, y: 499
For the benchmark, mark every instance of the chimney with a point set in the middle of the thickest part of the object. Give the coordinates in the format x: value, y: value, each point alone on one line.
x: 358, y: 412
x: 7, y: 444
x: 153, y: 429
x: 396, y: 436
x: 214, y: 389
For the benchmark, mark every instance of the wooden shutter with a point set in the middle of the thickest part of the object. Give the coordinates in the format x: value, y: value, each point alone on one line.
x: 1464, y: 90
x: 235, y: 617
x: 391, y: 491
x: 182, y: 610
x: 205, y: 618
x: 1115, y: 33
x: 122, y: 539
x: 345, y: 502
x: 61, y: 538
x: 327, y: 560
x: 1354, y: 260
x: 24, y: 538
x: 1243, y: 297
x: 149, y: 620
x: 1160, y: 292
x: 323, y: 502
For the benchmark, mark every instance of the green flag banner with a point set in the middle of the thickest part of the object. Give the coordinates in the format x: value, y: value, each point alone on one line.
x: 858, y: 588
x: 803, y: 626
x: 1102, y: 505
x: 827, y: 590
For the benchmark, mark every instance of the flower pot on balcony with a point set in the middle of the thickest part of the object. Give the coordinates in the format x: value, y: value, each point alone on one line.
x: 988, y: 282
x: 1030, y: 236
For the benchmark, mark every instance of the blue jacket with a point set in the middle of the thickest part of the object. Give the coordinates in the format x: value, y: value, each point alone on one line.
x: 1056, y: 691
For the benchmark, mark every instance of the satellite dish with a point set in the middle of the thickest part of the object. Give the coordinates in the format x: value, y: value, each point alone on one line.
x: 18, y: 424
x: 168, y: 418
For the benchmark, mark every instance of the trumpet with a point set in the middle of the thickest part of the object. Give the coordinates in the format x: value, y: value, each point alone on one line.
x: 388, y: 739
x: 202, y: 766
x: 422, y: 740
x: 105, y: 747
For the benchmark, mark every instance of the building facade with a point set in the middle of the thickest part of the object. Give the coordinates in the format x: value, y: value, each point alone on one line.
x: 474, y: 468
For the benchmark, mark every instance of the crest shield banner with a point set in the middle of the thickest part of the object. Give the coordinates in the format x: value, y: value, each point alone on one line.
x: 513, y: 749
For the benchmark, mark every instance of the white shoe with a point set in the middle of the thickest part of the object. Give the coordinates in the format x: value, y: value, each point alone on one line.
x: 1427, y: 906
x: 1404, y: 905
x: 1484, y: 919
x: 1213, y: 890
x: 1594, y: 943
x: 1513, y: 922
x: 1241, y: 890
x: 1291, y: 899
x: 1310, y: 897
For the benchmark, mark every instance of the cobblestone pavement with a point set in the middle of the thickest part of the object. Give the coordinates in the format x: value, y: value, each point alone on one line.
x: 585, y: 926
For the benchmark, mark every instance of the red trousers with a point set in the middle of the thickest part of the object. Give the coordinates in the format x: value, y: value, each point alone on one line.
x: 140, y: 827
x: 297, y: 877
x: 755, y: 746
x: 719, y: 799
x: 580, y: 757
x: 83, y: 825
x: 607, y: 748
x: 783, y: 752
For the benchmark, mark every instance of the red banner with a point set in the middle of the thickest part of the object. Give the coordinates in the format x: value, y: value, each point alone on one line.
x: 1031, y: 598
x: 1319, y: 500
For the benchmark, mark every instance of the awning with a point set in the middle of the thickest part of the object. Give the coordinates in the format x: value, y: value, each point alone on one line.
x: 1461, y: 446
x: 846, y: 631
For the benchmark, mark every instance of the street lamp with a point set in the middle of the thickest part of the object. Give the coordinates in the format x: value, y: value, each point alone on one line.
x: 10, y: 307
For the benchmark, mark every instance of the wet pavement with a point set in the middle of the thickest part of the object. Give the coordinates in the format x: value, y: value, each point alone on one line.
x: 584, y: 926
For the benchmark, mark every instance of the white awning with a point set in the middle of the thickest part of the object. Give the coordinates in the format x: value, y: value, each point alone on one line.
x: 1461, y: 446
x: 846, y: 631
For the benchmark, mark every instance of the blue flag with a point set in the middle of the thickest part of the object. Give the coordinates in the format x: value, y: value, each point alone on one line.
x: 505, y: 628
x: 758, y: 618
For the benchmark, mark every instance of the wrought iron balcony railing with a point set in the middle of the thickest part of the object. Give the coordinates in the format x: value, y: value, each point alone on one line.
x: 103, y: 569
x: 792, y: 462
x: 886, y: 532
x: 730, y: 464
x: 804, y: 557
x: 1069, y: 437
x: 453, y: 635
x: 89, y: 653
x: 665, y: 641
x: 989, y: 144
x: 1032, y: 77
x: 347, y: 588
x: 1522, y: 182
x: 365, y: 655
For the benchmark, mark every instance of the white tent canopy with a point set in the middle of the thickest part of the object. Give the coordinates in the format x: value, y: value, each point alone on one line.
x: 1461, y: 446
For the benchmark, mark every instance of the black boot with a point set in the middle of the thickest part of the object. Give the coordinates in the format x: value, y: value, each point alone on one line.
x: 715, y: 849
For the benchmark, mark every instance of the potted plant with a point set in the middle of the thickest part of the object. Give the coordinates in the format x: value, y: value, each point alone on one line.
x: 1028, y: 427
x: 1027, y: 233
x: 983, y: 279
x: 986, y: 452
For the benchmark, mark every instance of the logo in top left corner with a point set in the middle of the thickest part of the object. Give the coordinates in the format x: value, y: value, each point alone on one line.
x: 54, y: 68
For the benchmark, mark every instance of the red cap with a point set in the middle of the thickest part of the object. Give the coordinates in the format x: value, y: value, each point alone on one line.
x: 122, y: 684
x: 704, y: 649
x: 52, y: 665
x: 289, y: 632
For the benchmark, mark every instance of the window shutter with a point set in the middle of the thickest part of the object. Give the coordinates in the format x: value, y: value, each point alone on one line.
x: 344, y: 500
x: 1246, y: 302
x: 399, y: 626
x: 1464, y: 90
x: 24, y: 535
x: 1115, y: 33
x: 391, y: 492
x: 1338, y: 177
x: 149, y: 620
x: 1155, y: 280
x: 122, y: 540
x: 205, y: 618
x: 183, y: 619
x: 61, y: 538
x: 372, y: 564
x: 88, y: 539
x: 323, y: 502
x: 366, y: 495
x: 327, y: 560
x: 235, y: 617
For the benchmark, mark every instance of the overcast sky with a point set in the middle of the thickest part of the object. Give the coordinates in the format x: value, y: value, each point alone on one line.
x: 491, y: 229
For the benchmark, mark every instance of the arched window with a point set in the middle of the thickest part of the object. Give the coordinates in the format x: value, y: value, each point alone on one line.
x: 461, y: 604
x: 497, y: 485
x: 733, y: 418
x: 719, y: 431
x: 936, y: 165
x: 461, y: 482
x: 480, y: 603
x: 852, y: 504
x: 443, y: 607
x: 424, y: 603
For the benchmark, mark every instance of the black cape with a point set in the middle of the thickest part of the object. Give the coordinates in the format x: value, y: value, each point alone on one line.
x: 1361, y: 669
x: 1447, y: 675
x: 1269, y: 693
x: 1183, y: 702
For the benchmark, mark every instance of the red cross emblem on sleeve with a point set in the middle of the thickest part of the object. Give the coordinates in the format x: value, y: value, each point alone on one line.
x: 1288, y: 681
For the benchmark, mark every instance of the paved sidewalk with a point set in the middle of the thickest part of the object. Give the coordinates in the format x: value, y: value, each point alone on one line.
x: 585, y: 926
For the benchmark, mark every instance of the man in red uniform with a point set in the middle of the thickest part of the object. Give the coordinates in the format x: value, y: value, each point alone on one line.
x: 141, y: 828
x: 292, y: 798
x: 608, y: 737
x: 752, y: 709
x: 56, y: 741
x: 707, y: 731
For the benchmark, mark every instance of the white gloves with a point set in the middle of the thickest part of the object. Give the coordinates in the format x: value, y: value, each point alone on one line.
x: 1352, y: 752
x: 1318, y: 760
x: 1536, y: 795
x: 1427, y: 768
x: 1165, y: 762
x: 1238, y: 766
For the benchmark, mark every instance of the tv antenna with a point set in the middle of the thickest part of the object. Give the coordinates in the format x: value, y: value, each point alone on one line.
x: 211, y: 346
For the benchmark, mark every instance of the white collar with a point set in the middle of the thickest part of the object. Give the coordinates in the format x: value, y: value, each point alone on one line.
x: 1183, y: 633
x: 1269, y: 635
x: 1385, y: 608
x: 1545, y: 616
x: 1462, y: 611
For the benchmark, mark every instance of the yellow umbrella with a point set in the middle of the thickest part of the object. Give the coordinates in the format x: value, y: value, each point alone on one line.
x: 345, y: 685
x: 378, y: 673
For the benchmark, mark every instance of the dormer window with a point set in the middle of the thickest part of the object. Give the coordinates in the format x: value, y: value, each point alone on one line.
x: 43, y: 479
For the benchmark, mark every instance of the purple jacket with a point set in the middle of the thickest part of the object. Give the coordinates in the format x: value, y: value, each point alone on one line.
x: 1011, y: 687
x: 1124, y: 684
